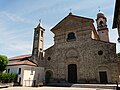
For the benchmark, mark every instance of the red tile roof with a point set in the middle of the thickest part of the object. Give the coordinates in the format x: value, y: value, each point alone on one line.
x: 20, y: 57
x: 24, y: 62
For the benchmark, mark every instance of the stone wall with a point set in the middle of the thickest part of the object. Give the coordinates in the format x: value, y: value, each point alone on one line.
x: 83, y: 53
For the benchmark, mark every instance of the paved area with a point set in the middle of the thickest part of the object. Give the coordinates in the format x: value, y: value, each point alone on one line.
x: 52, y: 88
x: 104, y: 86
x: 3, y: 86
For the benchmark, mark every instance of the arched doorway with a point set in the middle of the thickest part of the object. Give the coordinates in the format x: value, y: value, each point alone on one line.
x: 103, y: 74
x: 72, y: 73
x: 48, y: 76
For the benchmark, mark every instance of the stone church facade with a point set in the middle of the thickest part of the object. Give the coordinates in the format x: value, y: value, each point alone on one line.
x: 80, y: 54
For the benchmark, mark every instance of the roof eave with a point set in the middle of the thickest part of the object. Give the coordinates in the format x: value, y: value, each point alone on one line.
x: 21, y: 64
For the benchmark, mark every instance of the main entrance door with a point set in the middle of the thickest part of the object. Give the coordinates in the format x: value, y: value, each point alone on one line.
x: 72, y: 73
x: 103, y: 77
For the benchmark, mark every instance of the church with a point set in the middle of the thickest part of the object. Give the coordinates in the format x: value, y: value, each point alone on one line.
x: 80, y: 54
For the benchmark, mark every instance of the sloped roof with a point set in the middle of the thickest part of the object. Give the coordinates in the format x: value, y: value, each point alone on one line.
x: 68, y: 17
x: 24, y: 62
x: 20, y: 57
x: 40, y: 26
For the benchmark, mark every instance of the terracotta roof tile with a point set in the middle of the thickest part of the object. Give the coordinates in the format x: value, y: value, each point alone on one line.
x: 20, y: 57
x: 25, y: 62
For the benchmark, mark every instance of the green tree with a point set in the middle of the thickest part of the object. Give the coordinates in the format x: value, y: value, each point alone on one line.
x: 3, y: 62
x: 118, y: 54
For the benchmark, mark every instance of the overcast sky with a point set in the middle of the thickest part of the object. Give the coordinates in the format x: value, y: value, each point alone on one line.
x: 18, y: 18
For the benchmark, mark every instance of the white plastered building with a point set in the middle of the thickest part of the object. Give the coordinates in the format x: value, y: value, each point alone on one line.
x: 27, y: 72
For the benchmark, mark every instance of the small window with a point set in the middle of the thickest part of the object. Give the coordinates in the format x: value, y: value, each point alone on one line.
x: 8, y: 70
x: 41, y: 55
x: 31, y: 71
x: 36, y: 34
x: 49, y: 58
x: 71, y: 36
x: 41, y: 33
x: 19, y: 72
x: 100, y: 52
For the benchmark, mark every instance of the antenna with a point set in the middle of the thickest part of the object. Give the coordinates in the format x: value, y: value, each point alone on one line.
x: 70, y: 9
x: 70, y: 12
x: 99, y: 8
x: 39, y: 20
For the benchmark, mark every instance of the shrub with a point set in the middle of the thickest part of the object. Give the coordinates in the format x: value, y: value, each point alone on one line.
x: 7, y: 78
x: 118, y: 54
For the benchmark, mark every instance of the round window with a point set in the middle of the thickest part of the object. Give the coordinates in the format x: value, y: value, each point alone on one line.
x: 100, y: 52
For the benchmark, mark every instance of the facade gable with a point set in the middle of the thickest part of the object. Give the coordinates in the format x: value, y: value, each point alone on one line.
x: 72, y: 21
x: 72, y: 28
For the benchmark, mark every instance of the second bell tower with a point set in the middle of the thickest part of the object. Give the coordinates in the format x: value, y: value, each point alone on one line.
x: 102, y: 27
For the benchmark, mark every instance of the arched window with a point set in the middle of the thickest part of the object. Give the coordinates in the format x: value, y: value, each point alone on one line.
x: 48, y: 76
x: 37, y: 34
x: 101, y: 23
x: 41, y: 33
x: 71, y: 36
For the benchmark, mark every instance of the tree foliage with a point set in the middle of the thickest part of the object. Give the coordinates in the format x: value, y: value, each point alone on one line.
x: 118, y: 54
x: 3, y: 62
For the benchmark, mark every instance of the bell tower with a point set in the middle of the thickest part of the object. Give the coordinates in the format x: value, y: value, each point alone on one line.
x: 102, y: 26
x: 38, y: 43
